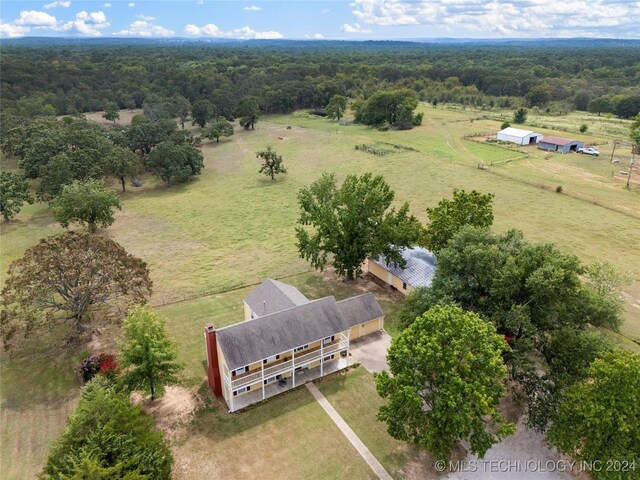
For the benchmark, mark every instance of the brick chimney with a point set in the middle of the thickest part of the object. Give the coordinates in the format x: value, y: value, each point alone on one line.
x: 213, y: 366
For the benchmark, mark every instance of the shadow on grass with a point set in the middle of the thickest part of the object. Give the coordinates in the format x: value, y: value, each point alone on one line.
x: 39, y: 375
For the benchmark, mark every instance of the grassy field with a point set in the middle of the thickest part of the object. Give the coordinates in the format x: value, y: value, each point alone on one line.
x: 232, y: 227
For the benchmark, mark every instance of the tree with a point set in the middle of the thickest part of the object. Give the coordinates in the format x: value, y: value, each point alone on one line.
x: 123, y: 163
x: 248, y: 110
x: 14, y: 192
x: 392, y: 107
x: 107, y: 437
x: 175, y: 163
x: 601, y: 105
x: 353, y: 222
x: 65, y: 278
x: 182, y: 107
x: 87, y: 203
x: 525, y: 289
x: 568, y: 353
x: 414, y: 305
x: 445, y: 382
x: 337, y: 107
x: 144, y: 135
x: 111, y: 112
x: 201, y: 112
x: 628, y: 107
x: 520, y: 115
x: 272, y: 163
x: 147, y: 354
x: 220, y: 128
x: 466, y: 208
x: 538, y: 95
x: 598, y: 419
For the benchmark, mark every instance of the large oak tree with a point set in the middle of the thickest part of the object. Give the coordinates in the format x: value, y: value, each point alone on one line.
x: 352, y: 222
x: 445, y: 382
x: 70, y: 279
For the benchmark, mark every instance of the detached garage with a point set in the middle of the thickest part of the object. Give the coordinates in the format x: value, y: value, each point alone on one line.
x: 519, y: 137
x: 559, y: 144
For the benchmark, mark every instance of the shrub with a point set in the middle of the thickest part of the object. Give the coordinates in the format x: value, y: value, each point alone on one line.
x: 505, y: 125
x: 583, y: 128
x: 103, y: 364
x: 559, y: 189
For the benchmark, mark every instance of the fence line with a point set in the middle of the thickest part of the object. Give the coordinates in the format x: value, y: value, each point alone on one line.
x: 162, y: 300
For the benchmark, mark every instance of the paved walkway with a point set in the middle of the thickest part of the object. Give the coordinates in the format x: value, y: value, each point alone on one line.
x: 350, y: 434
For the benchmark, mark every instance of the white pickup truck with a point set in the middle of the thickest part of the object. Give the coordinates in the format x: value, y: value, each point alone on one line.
x: 588, y: 151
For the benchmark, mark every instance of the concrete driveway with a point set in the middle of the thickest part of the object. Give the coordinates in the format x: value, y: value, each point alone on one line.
x: 371, y: 351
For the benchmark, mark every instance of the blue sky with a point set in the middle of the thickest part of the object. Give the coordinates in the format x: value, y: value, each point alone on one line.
x: 337, y: 19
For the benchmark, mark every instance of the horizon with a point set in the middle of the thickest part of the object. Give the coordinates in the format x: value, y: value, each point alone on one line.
x: 347, y: 20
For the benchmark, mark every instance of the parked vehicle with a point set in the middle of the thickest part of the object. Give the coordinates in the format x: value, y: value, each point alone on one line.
x: 589, y: 151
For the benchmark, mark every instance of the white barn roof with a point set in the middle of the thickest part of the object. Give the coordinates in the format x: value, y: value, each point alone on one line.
x: 516, y: 132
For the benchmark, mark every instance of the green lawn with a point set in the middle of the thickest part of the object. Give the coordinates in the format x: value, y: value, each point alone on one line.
x: 233, y: 227
x: 353, y: 395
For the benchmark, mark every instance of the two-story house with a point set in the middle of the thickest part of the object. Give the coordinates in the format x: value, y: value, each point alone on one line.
x: 286, y: 340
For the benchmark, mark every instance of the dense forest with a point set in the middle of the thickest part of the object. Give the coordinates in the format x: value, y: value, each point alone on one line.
x: 70, y: 77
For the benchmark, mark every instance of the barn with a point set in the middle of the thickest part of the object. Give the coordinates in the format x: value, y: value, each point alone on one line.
x: 519, y: 137
x: 559, y: 144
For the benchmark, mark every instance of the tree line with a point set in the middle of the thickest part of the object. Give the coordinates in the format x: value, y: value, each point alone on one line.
x: 44, y: 79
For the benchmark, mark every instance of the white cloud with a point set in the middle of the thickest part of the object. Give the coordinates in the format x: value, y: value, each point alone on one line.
x: 325, y: 11
x: 131, y: 4
x: 28, y: 20
x: 252, y: 8
x: 146, y: 18
x: 514, y: 18
x: 141, y: 28
x: 315, y: 36
x: 10, y: 30
x: 355, y: 28
x: 34, y: 18
x: 244, y: 33
x: 200, y: 2
x: 88, y: 24
x: 57, y: 4
x: 107, y: 5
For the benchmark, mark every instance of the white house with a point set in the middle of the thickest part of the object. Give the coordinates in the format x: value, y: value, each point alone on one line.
x: 519, y: 137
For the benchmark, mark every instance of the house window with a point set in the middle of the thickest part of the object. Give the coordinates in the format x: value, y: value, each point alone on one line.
x: 239, y: 371
x: 271, y: 359
x: 304, y: 347
x: 328, y: 357
x: 271, y: 379
x: 328, y: 339
x: 404, y: 286
x: 302, y: 367
x: 242, y: 390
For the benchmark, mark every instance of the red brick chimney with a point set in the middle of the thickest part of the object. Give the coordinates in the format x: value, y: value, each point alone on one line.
x: 213, y: 366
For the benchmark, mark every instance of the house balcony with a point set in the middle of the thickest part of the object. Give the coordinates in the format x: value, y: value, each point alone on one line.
x: 300, y: 359
x: 275, y: 388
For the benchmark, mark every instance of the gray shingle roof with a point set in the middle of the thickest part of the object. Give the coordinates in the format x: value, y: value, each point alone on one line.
x: 419, y: 270
x: 273, y: 296
x: 360, y: 309
x: 253, y: 340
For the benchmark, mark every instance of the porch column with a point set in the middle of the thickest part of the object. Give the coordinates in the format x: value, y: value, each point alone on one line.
x: 262, y: 371
x: 293, y: 366
x: 321, y: 358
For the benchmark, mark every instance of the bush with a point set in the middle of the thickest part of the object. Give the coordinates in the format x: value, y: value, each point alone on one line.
x: 583, y: 128
x: 505, y: 125
x: 103, y: 364
x: 559, y: 189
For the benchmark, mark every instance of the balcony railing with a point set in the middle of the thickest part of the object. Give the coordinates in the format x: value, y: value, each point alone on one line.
x: 288, y: 365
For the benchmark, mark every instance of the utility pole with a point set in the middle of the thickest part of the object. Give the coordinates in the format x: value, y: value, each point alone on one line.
x: 634, y: 150
x: 613, y: 151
